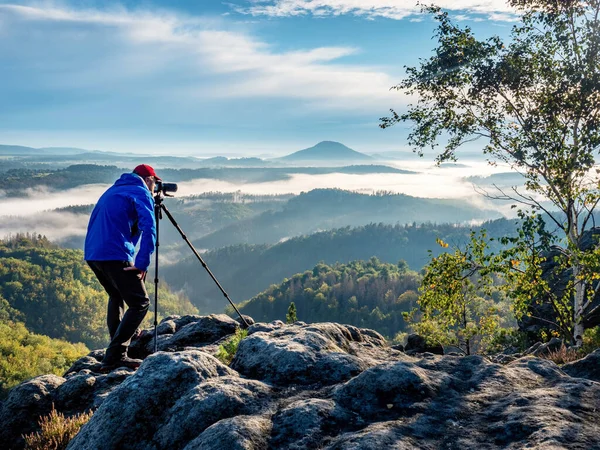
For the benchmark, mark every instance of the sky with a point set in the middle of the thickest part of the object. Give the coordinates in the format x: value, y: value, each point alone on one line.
x: 208, y: 77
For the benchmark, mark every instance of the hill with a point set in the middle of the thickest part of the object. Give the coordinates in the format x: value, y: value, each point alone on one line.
x: 20, y: 150
x: 246, y: 270
x: 325, y: 209
x: 327, y: 151
x: 366, y: 294
x: 54, y: 292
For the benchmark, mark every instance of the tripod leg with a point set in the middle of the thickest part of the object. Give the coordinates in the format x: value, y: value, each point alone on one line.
x: 172, y: 219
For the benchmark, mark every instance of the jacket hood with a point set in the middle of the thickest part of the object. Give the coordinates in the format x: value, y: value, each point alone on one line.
x: 130, y: 179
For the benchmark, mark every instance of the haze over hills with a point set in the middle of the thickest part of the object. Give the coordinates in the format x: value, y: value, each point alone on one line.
x: 327, y: 151
x: 21, y: 150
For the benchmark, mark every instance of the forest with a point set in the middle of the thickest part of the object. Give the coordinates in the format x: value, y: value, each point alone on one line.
x: 245, y: 270
x: 367, y: 294
x: 52, y: 308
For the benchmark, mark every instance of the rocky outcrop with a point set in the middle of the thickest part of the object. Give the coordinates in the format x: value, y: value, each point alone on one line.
x: 302, y: 386
x: 541, y: 312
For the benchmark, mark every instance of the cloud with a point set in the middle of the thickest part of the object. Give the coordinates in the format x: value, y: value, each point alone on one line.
x: 56, y: 226
x: 38, y: 200
x: 391, y: 9
x: 170, y: 63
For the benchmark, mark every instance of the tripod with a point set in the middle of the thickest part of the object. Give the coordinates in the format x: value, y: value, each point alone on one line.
x: 159, y: 207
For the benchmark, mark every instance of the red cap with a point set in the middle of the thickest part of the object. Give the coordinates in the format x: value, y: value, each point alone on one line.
x: 144, y: 170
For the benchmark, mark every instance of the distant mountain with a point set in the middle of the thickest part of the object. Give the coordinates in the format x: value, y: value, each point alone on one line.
x: 234, y: 162
x: 327, y: 151
x: 65, y: 150
x: 17, y: 150
x: 20, y: 150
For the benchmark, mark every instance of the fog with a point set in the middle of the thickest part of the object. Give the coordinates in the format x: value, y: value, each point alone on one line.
x: 56, y: 226
x: 32, y: 213
x: 40, y: 199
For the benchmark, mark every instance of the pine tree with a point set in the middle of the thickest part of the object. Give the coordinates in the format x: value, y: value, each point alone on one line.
x: 291, y: 317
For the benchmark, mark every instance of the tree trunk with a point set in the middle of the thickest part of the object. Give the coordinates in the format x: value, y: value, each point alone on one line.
x: 578, y: 302
x: 579, y: 298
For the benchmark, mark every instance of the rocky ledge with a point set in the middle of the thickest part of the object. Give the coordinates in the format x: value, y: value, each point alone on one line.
x: 303, y: 386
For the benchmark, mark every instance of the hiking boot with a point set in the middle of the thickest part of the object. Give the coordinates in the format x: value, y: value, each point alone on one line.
x: 130, y: 363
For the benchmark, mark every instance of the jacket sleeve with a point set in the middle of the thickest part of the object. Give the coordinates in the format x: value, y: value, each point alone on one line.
x: 144, y: 206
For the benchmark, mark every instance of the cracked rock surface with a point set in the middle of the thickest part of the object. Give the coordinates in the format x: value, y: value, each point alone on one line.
x: 302, y: 386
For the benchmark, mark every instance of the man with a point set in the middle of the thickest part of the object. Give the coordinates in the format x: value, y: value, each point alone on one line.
x: 123, y: 214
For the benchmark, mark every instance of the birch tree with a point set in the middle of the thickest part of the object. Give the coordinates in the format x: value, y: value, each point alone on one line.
x: 533, y: 101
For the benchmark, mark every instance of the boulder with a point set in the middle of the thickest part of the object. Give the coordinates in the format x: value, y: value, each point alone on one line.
x: 385, y: 435
x: 176, y: 333
x: 208, y: 403
x: 321, y: 354
x: 129, y: 416
x: 326, y: 385
x: 417, y: 344
x: 304, y: 423
x: 236, y: 433
x: 86, y: 390
x: 389, y: 388
x: 588, y: 367
x: 25, y: 404
x: 92, y: 362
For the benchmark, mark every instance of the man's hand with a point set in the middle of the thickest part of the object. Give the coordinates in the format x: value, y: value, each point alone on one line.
x: 141, y: 274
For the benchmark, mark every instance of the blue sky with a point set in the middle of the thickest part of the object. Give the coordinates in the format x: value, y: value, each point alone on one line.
x: 206, y: 77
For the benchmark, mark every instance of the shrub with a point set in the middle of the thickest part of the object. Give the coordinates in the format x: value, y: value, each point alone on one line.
x: 563, y: 355
x: 506, y: 338
x: 591, y: 340
x: 56, y: 431
x: 228, y: 349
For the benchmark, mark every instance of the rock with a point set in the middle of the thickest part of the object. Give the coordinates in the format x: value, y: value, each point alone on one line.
x: 549, y: 347
x: 322, y: 354
x: 249, y: 320
x: 304, y: 423
x: 239, y: 433
x: 87, y: 390
x: 588, y: 367
x: 206, y: 404
x: 205, y: 330
x: 25, y: 404
x: 390, y: 388
x: 327, y: 386
x: 178, y: 333
x: 385, y: 435
x: 91, y: 362
x: 128, y: 417
x: 417, y: 344
x: 264, y: 327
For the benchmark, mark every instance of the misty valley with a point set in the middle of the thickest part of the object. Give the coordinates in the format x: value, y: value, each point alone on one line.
x: 251, y: 241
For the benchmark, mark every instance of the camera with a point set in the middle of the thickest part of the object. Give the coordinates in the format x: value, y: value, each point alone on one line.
x: 164, y: 188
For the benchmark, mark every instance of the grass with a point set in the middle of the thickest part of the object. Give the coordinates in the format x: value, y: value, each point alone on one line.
x: 228, y: 349
x: 563, y: 355
x: 56, y: 431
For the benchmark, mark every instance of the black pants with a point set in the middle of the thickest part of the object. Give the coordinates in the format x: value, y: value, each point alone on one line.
x: 124, y: 287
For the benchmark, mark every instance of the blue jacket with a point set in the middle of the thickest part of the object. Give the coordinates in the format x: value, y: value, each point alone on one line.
x: 123, y: 213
